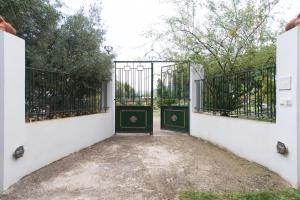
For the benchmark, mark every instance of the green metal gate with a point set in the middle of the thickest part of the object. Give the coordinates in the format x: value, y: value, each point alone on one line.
x: 175, y: 97
x: 134, y: 97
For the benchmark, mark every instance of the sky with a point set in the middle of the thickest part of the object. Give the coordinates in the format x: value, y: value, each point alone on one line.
x: 127, y: 22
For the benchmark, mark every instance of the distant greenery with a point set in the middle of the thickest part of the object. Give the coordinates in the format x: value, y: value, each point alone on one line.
x: 288, y: 194
x: 125, y: 92
x: 173, y: 88
x: 160, y: 88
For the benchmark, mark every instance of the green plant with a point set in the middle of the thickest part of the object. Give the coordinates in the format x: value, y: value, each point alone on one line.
x: 287, y: 194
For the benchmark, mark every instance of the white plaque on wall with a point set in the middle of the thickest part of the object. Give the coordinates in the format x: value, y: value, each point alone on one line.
x: 285, y: 83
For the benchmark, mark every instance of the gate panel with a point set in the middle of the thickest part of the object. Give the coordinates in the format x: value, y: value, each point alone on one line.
x: 134, y: 119
x: 175, y: 118
x: 134, y: 97
x: 175, y: 97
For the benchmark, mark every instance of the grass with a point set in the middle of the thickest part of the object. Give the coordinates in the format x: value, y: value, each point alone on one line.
x: 288, y: 194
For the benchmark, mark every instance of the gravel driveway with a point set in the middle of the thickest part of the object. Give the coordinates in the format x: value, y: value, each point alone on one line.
x: 144, y: 167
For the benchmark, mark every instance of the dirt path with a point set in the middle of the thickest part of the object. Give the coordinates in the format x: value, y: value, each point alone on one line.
x: 143, y: 167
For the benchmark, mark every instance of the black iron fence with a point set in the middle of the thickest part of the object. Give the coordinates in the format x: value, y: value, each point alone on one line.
x: 247, y: 94
x: 52, y: 95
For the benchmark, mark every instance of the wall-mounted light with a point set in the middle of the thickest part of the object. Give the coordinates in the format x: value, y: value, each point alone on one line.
x: 19, y: 152
x: 281, y: 148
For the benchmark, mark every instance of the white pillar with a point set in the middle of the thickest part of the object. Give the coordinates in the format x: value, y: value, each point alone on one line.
x: 12, y: 106
x: 196, y: 74
x: 288, y: 103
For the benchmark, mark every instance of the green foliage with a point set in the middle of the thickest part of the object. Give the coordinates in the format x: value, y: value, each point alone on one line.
x: 52, y: 95
x: 68, y: 44
x: 168, y: 101
x: 288, y: 194
x: 35, y: 22
x: 165, y: 96
x: 174, y: 86
x: 266, y: 56
x: 236, y: 34
x: 250, y: 93
x: 125, y: 93
x: 77, y: 51
x: 33, y: 19
x: 160, y: 88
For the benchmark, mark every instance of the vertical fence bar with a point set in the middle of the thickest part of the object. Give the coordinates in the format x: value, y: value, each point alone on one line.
x: 198, y: 100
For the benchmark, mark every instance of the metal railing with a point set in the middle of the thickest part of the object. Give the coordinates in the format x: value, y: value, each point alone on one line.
x: 52, y: 95
x: 247, y: 94
x: 174, y: 87
x: 134, y: 84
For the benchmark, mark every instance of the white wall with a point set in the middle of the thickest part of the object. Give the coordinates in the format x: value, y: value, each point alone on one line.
x: 1, y: 110
x: 48, y: 141
x: 45, y: 141
x: 12, y: 94
x: 255, y: 140
x: 288, y: 67
x: 51, y: 140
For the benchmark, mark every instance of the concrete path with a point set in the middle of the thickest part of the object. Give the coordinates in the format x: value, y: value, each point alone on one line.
x: 144, y: 167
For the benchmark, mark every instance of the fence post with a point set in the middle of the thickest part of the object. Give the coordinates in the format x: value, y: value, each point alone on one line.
x: 197, y: 74
x: 288, y: 102
x: 12, y: 106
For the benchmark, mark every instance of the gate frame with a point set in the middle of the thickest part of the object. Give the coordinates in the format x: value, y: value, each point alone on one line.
x: 178, y: 108
x: 152, y: 62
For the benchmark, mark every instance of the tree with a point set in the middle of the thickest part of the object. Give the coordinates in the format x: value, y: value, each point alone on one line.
x: 125, y: 93
x: 233, y: 33
x: 69, y: 47
x: 36, y: 21
x: 161, y: 92
x: 70, y: 44
x: 173, y: 88
x: 77, y: 51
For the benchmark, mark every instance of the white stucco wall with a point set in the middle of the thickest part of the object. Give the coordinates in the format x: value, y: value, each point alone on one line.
x: 12, y: 95
x: 288, y: 120
x: 45, y: 141
x: 48, y: 141
x: 255, y: 140
x: 1, y: 110
x: 51, y: 140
